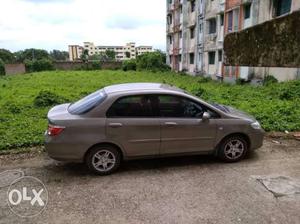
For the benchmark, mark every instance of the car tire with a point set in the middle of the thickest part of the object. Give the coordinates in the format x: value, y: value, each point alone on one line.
x: 103, y: 160
x: 233, y: 149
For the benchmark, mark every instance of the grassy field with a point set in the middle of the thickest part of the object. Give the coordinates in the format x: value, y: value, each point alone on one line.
x: 23, y: 114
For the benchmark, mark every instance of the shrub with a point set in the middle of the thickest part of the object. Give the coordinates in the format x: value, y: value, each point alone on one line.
x: 47, y: 98
x: 38, y: 65
x: 198, y: 92
x: 95, y: 65
x: 269, y: 79
x: 152, y: 61
x: 129, y: 65
x: 2, y: 70
x: 204, y: 79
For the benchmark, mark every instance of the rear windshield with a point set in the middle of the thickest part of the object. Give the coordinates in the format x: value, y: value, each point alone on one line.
x: 87, y: 103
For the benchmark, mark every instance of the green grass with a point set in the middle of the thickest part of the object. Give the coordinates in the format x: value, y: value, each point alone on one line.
x: 22, y: 122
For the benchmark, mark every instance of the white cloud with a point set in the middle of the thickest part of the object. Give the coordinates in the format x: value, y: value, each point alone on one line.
x: 56, y: 24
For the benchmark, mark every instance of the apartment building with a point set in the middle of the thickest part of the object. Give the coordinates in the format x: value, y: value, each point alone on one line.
x: 75, y: 51
x: 196, y: 30
x: 242, y: 14
x: 182, y: 35
x: 129, y: 51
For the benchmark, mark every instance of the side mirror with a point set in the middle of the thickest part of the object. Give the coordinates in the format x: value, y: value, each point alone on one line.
x: 206, y: 116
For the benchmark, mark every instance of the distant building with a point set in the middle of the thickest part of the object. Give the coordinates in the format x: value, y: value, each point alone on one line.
x: 196, y: 28
x: 75, y: 51
x: 129, y: 51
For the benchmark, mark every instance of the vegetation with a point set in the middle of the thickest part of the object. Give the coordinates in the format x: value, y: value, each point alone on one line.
x: 152, y: 61
x: 2, y: 70
x: 26, y: 99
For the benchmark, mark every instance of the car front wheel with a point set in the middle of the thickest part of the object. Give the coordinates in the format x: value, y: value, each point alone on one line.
x: 233, y: 149
x: 103, y: 160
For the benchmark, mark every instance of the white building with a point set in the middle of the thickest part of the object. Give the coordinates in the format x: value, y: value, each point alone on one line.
x: 129, y: 51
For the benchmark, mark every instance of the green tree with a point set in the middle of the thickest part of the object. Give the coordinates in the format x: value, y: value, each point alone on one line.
x: 85, y: 55
x: 59, y: 55
x: 6, y: 56
x: 2, y: 70
x: 31, y: 54
x: 154, y: 61
x: 127, y: 54
x: 111, y: 55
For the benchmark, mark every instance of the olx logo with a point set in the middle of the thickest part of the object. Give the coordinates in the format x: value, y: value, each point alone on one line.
x: 27, y: 196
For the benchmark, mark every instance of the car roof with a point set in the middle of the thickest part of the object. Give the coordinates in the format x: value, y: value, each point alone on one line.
x: 140, y: 87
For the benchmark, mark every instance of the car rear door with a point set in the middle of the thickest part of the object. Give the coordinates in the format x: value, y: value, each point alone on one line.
x: 182, y: 127
x: 130, y: 123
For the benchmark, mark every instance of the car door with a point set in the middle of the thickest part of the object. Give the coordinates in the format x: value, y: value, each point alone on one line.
x: 130, y: 123
x: 182, y: 127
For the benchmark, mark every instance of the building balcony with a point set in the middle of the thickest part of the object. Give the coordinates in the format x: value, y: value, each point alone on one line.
x: 192, y: 19
x: 170, y: 29
x: 221, y: 6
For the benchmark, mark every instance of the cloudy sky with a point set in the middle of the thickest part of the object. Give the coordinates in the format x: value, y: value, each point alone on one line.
x: 54, y: 24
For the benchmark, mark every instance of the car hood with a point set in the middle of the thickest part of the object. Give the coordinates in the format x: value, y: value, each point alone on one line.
x: 59, y: 112
x: 240, y: 114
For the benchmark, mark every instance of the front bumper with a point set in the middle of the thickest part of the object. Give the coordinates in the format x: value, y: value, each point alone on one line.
x: 256, y: 139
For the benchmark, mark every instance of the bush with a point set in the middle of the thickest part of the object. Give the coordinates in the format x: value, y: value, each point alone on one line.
x: 47, y: 98
x: 129, y: 65
x: 2, y: 70
x: 269, y: 80
x: 152, y: 61
x: 38, y: 65
x: 95, y: 65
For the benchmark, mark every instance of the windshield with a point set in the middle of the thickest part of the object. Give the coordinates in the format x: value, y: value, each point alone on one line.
x: 220, y: 107
x: 87, y: 103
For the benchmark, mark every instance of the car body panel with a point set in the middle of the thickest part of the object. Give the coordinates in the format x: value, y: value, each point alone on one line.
x: 144, y: 137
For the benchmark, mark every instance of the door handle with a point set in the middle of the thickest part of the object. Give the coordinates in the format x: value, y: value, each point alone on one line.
x: 170, y: 124
x: 115, y: 125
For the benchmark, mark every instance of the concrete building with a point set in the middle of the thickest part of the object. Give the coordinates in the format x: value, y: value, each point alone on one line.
x: 196, y: 30
x: 242, y: 14
x: 213, y: 38
x: 75, y: 51
x: 129, y: 51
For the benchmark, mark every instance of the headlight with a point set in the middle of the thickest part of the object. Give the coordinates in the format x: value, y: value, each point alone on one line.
x: 256, y: 125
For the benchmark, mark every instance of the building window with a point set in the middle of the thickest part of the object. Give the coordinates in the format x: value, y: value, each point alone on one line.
x: 170, y: 19
x: 170, y: 58
x: 170, y: 1
x: 247, y: 11
x: 230, y: 21
x: 221, y: 19
x: 193, y: 5
x: 211, y: 57
x: 212, y: 26
x: 180, y: 9
x: 220, y: 55
x: 170, y: 39
x: 180, y: 35
x: 282, y: 7
x: 192, y: 32
x: 192, y: 57
x: 179, y: 58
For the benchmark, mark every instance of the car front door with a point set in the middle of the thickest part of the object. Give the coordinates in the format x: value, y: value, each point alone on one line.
x: 130, y: 123
x: 182, y: 128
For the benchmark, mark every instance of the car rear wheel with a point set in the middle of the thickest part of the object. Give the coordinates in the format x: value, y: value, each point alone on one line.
x: 233, y: 149
x: 103, y: 160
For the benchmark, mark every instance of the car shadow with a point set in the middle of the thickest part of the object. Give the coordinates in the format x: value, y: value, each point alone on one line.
x: 158, y: 164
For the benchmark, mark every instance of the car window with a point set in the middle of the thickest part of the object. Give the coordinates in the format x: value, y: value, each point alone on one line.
x: 87, y: 103
x: 176, y: 106
x: 133, y: 106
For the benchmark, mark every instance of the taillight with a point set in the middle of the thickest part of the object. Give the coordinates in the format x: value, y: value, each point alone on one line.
x: 54, y: 130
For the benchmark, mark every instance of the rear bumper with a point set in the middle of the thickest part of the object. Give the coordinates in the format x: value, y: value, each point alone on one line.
x: 256, y: 139
x: 64, y: 151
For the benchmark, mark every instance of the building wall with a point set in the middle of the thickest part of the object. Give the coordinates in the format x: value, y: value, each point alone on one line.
x: 180, y: 45
x: 75, y: 51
